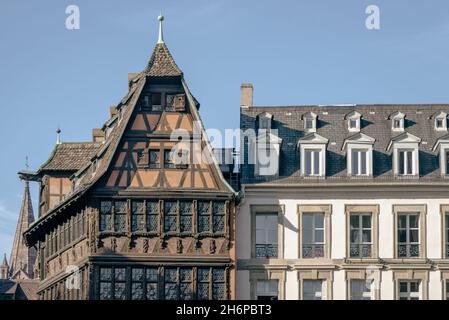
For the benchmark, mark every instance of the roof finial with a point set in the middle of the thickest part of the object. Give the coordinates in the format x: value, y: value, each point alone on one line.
x: 58, y: 135
x: 27, y: 164
x: 161, y: 33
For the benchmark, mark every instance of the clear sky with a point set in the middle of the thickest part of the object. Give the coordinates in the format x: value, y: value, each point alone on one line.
x: 294, y: 52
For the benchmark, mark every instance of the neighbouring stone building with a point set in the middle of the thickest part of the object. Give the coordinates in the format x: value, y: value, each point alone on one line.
x: 357, y: 206
x: 136, y: 213
x: 18, y: 278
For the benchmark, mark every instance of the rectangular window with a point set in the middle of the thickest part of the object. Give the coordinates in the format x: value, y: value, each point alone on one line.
x: 447, y: 289
x: 353, y: 124
x: 156, y: 102
x: 204, y: 211
x: 218, y: 216
x: 138, y: 215
x: 185, y: 285
x: 266, y: 235
x: 137, y: 285
x: 155, y: 159
x: 447, y: 162
x: 313, y: 235
x: 203, y: 283
x: 446, y: 229
x: 313, y: 289
x: 105, y: 216
x: 170, y: 216
x: 218, y: 284
x: 105, y: 284
x: 408, y: 235
x: 120, y: 216
x: 152, y: 275
x: 409, y: 290
x: 152, y: 216
x: 185, y: 216
x: 112, y: 283
x: 359, y: 162
x: 170, y: 102
x: 119, y: 283
x: 405, y: 163
x: 312, y: 162
x: 360, y: 235
x: 439, y: 123
x: 361, y: 289
x: 168, y: 160
x: 397, y: 124
x: 267, y: 290
x: 171, y: 284
x: 309, y: 123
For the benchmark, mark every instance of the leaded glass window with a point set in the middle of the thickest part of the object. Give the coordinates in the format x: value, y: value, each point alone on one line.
x: 170, y: 216
x: 137, y: 216
x: 119, y: 283
x: 171, y: 284
x: 155, y: 159
x: 152, y: 275
x: 105, y: 216
x: 218, y: 284
x: 105, y: 284
x: 313, y: 235
x: 169, y: 102
x: 152, y: 216
x: 185, y: 286
x: 360, y: 235
x: 137, y: 286
x: 185, y: 215
x: 204, y: 216
x: 408, y: 235
x: 218, y: 215
x: 168, y: 160
x: 203, y: 283
x: 120, y: 216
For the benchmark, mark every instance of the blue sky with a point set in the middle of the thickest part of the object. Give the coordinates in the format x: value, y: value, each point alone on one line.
x: 294, y: 52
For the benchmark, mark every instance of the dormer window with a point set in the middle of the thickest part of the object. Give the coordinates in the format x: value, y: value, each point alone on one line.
x: 442, y: 146
x: 267, y: 147
x: 397, y: 121
x: 359, y: 155
x: 265, y: 120
x: 405, y: 154
x: 441, y: 121
x: 354, y: 119
x: 313, y: 155
x: 310, y: 120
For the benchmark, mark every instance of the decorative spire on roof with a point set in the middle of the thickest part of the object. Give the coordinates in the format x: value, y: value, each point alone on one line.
x: 23, y: 258
x: 58, y: 135
x: 161, y: 33
x: 161, y: 63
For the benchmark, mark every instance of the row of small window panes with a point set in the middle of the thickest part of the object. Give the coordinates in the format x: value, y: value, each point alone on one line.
x: 158, y: 101
x: 178, y: 216
x: 155, y: 160
x: 65, y: 234
x: 169, y: 283
x: 360, y: 224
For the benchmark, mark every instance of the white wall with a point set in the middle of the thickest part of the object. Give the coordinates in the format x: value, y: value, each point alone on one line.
x: 338, y: 240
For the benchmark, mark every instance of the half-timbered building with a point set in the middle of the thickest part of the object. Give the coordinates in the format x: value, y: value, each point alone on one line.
x: 143, y: 211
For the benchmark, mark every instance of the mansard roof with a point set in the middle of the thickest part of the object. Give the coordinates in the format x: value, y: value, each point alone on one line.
x: 70, y: 156
x: 331, y: 124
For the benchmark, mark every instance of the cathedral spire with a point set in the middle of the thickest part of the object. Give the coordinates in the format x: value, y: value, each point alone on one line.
x: 23, y: 258
x: 4, y: 269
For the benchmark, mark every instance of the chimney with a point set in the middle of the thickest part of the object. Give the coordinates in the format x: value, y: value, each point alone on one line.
x: 246, y: 95
x: 131, y: 77
x: 97, y: 135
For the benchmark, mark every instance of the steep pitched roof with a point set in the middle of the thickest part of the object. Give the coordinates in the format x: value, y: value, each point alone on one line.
x: 161, y: 63
x: 18, y: 290
x: 70, y: 156
x: 5, y: 261
x: 22, y: 257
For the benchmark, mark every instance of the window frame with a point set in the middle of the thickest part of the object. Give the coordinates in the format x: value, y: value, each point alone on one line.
x: 321, y: 274
x: 326, y: 209
x: 421, y: 211
x: 264, y: 275
x: 261, y: 209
